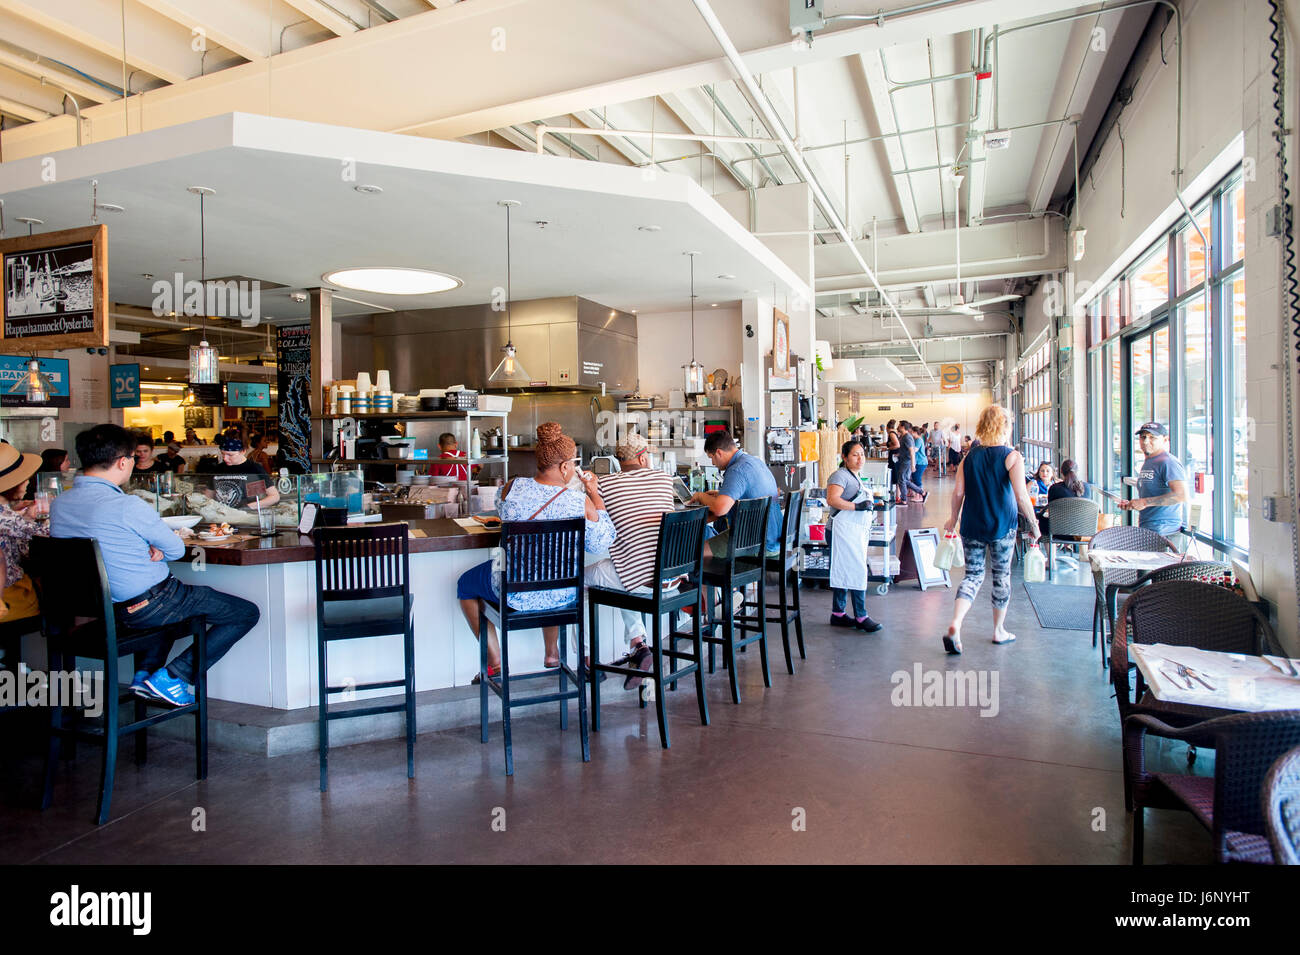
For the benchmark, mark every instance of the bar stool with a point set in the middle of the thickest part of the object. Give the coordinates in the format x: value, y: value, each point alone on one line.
x: 536, y: 555
x: 679, y: 552
x: 363, y: 589
x: 78, y: 620
x: 743, y: 565
x: 785, y: 569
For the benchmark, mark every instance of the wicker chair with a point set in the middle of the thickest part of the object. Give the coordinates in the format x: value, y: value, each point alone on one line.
x: 1282, y: 808
x: 1246, y: 745
x: 1070, y: 520
x: 1118, y: 538
x: 1183, y: 571
x: 1180, y: 613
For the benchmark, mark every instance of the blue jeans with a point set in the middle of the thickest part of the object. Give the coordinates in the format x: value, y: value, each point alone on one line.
x: 229, y: 618
x: 840, y: 601
x: 914, y: 482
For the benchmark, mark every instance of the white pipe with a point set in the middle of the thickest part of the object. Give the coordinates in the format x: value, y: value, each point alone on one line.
x: 647, y: 134
x: 795, y: 157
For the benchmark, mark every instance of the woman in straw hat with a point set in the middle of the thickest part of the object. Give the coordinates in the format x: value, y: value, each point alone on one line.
x: 16, y: 532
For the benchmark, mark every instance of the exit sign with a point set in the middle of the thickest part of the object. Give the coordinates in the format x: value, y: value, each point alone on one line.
x: 883, y: 407
x: 907, y: 404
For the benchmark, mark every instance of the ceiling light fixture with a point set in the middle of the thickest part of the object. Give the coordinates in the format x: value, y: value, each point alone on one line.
x: 384, y: 280
x: 726, y: 277
x: 648, y: 228
x: 203, y: 357
x: 368, y: 190
x: 509, y: 371
x: 694, y: 372
x: 36, y: 383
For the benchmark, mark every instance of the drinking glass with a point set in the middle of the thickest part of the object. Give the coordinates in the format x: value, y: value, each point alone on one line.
x: 266, y: 520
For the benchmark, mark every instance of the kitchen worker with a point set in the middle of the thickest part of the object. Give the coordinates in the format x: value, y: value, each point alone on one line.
x: 850, y: 527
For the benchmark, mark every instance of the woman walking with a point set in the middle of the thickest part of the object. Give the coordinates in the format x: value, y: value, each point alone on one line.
x: 990, y: 486
x: 846, y: 496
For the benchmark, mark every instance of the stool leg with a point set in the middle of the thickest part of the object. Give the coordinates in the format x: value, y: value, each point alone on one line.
x: 582, y: 696
x: 322, y: 709
x: 783, y: 601
x: 564, y: 680
x: 141, y: 740
x: 482, y: 675
x: 697, y: 642
x: 109, y: 770
x: 505, y: 694
x: 707, y: 591
x: 201, y: 699
x: 595, y: 674
x: 408, y: 650
x: 672, y: 645
x: 798, y: 615
x: 53, y: 739
x: 762, y: 630
x: 660, y: 703
x: 729, y: 648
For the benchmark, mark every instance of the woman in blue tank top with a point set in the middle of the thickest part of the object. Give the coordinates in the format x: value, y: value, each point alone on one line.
x: 990, y: 487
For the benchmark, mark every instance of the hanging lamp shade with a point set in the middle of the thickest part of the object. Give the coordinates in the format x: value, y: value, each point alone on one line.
x: 203, y: 357
x: 510, y: 370
x: 37, y: 391
x: 203, y: 364
x: 189, y: 399
x: 693, y: 374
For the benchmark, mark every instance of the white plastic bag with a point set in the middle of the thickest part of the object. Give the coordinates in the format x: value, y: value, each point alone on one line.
x: 950, y: 552
x: 1035, y: 565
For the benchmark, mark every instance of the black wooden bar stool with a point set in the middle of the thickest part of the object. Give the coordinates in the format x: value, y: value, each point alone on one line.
x: 783, y: 571
x: 536, y: 556
x: 743, y: 565
x: 363, y: 589
x: 679, y: 553
x: 78, y: 620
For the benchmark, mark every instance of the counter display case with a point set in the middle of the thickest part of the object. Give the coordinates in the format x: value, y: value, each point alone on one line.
x: 215, y: 498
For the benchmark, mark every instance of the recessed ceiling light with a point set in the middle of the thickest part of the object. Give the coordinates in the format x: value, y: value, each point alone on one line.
x: 109, y: 207
x: 726, y: 276
x: 368, y: 190
x: 648, y: 228
x: 392, y: 281
x: 715, y: 304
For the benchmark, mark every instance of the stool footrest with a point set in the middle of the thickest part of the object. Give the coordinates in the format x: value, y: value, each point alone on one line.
x: 386, y: 684
x: 546, y: 698
x: 365, y: 711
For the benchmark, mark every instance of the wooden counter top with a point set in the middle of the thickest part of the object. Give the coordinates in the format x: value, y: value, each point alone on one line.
x: 289, y: 546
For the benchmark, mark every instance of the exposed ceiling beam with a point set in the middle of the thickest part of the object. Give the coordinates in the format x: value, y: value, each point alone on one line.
x: 73, y: 84
x: 692, y: 116
x: 21, y: 110
x: 326, y: 16
x: 878, y: 87
x: 149, y: 45
x: 225, y: 24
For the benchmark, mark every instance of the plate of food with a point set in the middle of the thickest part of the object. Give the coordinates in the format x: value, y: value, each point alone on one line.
x: 217, y: 532
x: 487, y: 520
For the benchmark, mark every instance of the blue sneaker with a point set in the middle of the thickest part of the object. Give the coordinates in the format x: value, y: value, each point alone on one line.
x: 137, y: 684
x: 164, y: 687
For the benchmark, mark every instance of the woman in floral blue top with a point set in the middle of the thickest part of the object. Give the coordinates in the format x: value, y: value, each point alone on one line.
x: 546, y: 497
x: 16, y: 532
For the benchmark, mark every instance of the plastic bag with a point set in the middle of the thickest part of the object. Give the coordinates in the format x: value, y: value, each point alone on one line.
x: 1035, y: 565
x: 950, y: 552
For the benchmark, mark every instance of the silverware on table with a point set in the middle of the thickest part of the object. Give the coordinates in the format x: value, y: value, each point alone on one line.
x: 1189, y: 674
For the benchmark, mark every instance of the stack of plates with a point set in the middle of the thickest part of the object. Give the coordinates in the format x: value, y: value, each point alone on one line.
x: 420, y: 480
x: 407, y: 405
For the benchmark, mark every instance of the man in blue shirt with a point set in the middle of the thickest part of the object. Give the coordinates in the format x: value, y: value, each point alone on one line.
x: 135, y: 543
x: 1162, y: 483
x: 744, y: 476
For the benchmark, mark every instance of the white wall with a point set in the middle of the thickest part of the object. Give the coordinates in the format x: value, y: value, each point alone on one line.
x: 948, y: 409
x: 1226, y: 92
x: 663, y: 341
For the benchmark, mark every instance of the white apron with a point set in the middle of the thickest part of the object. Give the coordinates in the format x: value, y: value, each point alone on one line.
x: 849, y: 532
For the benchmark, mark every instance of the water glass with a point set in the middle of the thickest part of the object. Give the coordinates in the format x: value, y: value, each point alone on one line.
x: 266, y: 520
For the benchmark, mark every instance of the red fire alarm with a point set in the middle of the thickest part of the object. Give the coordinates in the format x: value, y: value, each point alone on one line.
x: 984, y: 76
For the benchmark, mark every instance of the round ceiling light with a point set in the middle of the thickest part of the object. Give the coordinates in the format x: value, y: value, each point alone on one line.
x: 392, y: 281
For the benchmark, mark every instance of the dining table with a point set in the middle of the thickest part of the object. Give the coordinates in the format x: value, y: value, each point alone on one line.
x: 1212, y: 678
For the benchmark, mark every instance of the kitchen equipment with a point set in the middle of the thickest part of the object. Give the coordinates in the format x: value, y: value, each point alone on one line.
x: 495, y: 403
x: 782, y: 446
x: 433, y: 403
x: 514, y: 441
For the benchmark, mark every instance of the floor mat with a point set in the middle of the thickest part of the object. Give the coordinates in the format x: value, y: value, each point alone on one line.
x: 1062, y: 606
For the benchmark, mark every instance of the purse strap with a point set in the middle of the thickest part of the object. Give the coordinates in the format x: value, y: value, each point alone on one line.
x: 548, y: 503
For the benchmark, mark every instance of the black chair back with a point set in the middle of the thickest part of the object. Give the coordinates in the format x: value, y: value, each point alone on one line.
x: 1282, y: 808
x: 71, y: 585
x: 1072, y: 517
x: 1246, y: 747
x: 362, y: 563
x: 1130, y: 538
x: 792, y: 508
x: 681, y: 545
x: 542, y: 555
x: 1189, y: 570
x: 748, y: 521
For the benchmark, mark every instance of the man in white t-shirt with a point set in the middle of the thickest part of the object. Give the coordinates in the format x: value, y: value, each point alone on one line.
x: 954, y: 446
x: 636, y: 497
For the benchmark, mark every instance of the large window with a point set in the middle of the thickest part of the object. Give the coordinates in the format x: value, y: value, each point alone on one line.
x: 1037, y: 425
x: 1167, y: 343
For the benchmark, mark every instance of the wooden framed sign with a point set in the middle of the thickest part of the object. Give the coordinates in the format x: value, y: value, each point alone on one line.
x: 54, y: 290
x: 917, y: 559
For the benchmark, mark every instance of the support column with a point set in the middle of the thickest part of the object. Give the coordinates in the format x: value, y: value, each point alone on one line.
x: 322, y: 360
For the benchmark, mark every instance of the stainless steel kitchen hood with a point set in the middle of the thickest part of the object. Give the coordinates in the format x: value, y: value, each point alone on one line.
x: 566, y: 344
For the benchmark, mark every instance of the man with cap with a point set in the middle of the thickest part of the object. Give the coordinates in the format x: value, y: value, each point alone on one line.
x: 237, y: 480
x: 636, y: 497
x: 1161, y: 485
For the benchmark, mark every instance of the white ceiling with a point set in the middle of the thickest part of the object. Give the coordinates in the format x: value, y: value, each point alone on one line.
x: 285, y: 213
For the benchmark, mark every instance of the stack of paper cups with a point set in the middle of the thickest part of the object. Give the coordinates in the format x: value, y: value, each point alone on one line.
x: 381, y: 381
x: 363, y: 383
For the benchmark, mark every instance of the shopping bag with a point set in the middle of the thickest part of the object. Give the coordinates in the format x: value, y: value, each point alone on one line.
x: 1035, y: 565
x: 949, y: 553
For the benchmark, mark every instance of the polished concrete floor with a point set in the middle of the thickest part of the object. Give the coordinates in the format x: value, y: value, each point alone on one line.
x: 822, y: 767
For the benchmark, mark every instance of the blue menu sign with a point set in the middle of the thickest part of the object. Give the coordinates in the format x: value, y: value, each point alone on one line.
x: 13, y: 382
x: 125, y: 386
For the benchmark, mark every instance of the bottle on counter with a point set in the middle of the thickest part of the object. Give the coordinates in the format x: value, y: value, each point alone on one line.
x: 476, y: 445
x: 285, y: 484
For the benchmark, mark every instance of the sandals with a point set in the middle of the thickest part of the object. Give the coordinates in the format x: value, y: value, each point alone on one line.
x: 478, y: 677
x: 951, y: 644
x: 1011, y: 638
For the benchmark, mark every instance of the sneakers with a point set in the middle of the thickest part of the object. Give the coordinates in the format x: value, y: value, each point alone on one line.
x: 137, y: 684
x: 842, y: 620
x: 642, y: 660
x: 165, y: 688
x: 868, y: 625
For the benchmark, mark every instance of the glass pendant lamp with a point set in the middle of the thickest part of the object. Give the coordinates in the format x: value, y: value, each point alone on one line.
x: 36, y: 383
x: 510, y: 370
x: 693, y: 373
x: 203, y: 357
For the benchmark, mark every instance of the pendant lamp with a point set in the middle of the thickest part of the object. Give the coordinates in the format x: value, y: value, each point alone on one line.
x: 36, y: 383
x: 203, y: 357
x: 510, y: 370
x: 694, y: 372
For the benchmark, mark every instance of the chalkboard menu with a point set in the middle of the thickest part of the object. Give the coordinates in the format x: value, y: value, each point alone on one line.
x: 293, y: 356
x: 55, y: 289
